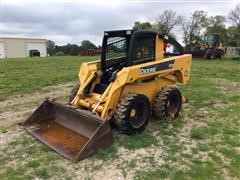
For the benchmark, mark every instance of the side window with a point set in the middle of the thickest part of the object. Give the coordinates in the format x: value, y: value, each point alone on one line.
x: 144, y: 48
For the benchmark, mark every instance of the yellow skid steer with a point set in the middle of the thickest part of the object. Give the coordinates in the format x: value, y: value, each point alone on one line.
x: 137, y: 75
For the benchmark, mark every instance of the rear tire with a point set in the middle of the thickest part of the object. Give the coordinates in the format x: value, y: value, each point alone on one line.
x: 132, y: 113
x: 168, y: 103
x: 74, y: 92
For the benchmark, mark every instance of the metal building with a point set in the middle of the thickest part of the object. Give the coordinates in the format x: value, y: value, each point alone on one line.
x: 22, y: 47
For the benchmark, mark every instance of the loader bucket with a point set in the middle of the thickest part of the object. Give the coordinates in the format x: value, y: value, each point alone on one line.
x: 75, y: 134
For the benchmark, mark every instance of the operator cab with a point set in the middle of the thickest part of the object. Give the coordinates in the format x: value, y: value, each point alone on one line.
x: 124, y: 48
x: 212, y: 40
x: 127, y: 47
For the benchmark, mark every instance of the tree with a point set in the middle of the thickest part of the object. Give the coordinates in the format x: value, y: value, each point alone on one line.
x: 215, y: 22
x: 74, y: 50
x: 234, y: 31
x: 65, y: 49
x: 216, y: 25
x: 233, y: 36
x: 86, y: 44
x: 51, y: 48
x: 166, y: 21
x: 234, y: 16
x: 144, y: 25
x: 192, y: 29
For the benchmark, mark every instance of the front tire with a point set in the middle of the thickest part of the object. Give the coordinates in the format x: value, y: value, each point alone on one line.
x: 210, y: 54
x: 132, y: 113
x: 168, y: 103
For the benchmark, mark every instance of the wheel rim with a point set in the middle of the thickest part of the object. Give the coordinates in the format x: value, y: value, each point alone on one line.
x: 173, y: 104
x: 138, y: 114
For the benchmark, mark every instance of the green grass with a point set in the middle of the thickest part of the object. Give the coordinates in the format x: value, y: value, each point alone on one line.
x: 209, y: 149
x: 31, y: 74
x: 3, y: 129
x: 217, y: 137
x: 43, y: 166
x: 142, y: 140
x: 109, y: 153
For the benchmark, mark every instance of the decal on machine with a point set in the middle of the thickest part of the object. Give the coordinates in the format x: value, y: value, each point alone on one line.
x: 157, y: 67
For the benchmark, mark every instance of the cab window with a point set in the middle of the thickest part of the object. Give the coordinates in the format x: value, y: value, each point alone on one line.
x: 144, y: 48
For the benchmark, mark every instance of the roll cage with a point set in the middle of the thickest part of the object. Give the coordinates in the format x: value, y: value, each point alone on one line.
x: 129, y: 47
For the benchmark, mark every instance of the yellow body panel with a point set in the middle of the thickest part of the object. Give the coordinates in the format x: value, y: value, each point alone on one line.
x: 159, y: 48
x: 132, y: 79
x: 127, y: 81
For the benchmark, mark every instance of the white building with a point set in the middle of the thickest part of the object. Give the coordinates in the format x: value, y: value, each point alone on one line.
x: 22, y: 47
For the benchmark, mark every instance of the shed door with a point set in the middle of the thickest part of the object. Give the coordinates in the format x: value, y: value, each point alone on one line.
x: 2, y: 50
x: 37, y: 46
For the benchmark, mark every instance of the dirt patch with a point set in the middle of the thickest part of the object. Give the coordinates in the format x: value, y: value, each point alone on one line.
x: 17, y: 108
x: 189, y: 124
x: 106, y: 170
x: 221, y: 105
x: 227, y: 87
x: 121, y: 167
x: 184, y: 135
x: 237, y: 149
x: 201, y: 114
x: 10, y: 117
x: 7, y: 137
x: 127, y: 162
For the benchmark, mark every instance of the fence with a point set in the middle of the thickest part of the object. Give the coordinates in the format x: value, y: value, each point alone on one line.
x: 232, y: 51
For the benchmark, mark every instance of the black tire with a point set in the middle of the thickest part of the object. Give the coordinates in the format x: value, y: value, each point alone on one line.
x: 74, y: 92
x: 220, y: 53
x: 132, y: 113
x: 209, y: 54
x: 168, y: 103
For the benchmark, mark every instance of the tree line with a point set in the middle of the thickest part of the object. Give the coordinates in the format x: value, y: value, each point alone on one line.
x: 192, y: 29
x: 196, y: 26
x: 69, y: 49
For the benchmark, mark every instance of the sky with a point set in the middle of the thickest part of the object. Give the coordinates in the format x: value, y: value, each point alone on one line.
x: 71, y: 21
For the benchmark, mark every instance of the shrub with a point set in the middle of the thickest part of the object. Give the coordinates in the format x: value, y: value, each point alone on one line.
x: 60, y: 53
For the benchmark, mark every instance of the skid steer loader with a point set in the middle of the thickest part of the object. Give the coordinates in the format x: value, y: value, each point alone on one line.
x: 135, y: 77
